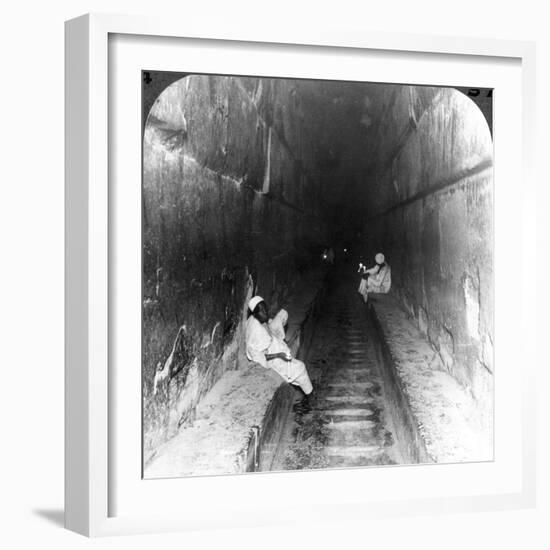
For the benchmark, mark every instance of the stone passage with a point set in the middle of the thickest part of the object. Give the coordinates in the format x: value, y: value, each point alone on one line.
x: 349, y: 424
x: 247, y: 180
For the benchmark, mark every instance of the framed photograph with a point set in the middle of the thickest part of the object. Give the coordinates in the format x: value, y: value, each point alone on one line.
x: 295, y: 286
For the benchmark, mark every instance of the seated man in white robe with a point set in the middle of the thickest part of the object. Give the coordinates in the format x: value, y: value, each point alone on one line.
x: 265, y: 345
x: 377, y: 279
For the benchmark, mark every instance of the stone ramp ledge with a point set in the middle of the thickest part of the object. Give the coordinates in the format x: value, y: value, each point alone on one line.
x: 219, y: 439
x: 442, y: 412
x: 238, y: 423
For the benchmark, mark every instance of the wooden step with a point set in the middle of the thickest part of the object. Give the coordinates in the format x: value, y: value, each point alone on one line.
x: 358, y: 385
x: 363, y: 411
x: 352, y: 433
x: 343, y: 375
x: 343, y: 461
x: 353, y: 451
x: 357, y: 401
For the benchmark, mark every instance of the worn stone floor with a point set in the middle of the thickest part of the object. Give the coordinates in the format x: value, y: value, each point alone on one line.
x: 349, y: 424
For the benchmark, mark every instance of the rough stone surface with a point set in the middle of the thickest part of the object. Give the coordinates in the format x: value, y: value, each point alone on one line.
x: 430, y: 211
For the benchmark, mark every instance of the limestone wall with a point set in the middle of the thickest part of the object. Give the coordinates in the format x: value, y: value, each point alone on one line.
x: 431, y: 212
x: 231, y: 206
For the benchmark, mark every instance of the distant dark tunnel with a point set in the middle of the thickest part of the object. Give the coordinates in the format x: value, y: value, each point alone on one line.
x: 247, y: 180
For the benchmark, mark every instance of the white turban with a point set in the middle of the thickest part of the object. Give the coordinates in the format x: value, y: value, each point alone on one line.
x: 379, y: 258
x: 254, y: 302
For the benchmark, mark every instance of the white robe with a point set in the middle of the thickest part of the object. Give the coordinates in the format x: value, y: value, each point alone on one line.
x: 269, y: 338
x: 379, y: 281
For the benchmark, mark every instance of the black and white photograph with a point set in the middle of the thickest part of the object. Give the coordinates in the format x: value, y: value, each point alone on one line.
x: 317, y: 274
x: 283, y: 270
